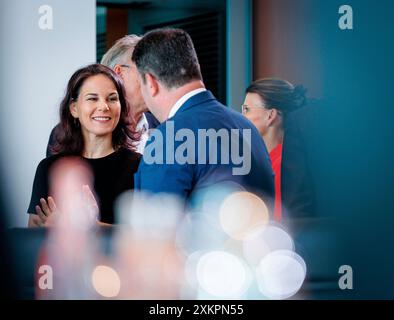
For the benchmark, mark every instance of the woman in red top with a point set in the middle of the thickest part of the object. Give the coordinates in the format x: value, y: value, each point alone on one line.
x: 266, y: 105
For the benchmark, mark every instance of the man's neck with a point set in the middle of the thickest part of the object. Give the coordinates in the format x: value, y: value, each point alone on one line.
x: 137, y: 111
x: 137, y: 116
x: 173, y: 95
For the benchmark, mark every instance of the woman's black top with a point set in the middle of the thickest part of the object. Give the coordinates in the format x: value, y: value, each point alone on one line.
x: 112, y: 175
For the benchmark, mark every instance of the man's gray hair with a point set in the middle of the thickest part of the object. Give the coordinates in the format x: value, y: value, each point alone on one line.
x: 115, y: 55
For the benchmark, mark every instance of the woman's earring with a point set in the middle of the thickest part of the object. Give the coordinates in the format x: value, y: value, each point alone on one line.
x: 76, y: 122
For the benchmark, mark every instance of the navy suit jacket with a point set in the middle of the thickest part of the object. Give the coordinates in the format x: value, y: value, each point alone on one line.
x: 203, y: 111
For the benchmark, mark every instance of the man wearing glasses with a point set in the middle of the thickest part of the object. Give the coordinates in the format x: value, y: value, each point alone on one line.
x: 118, y: 58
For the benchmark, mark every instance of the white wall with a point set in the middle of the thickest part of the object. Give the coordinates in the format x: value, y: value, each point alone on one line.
x: 35, y: 66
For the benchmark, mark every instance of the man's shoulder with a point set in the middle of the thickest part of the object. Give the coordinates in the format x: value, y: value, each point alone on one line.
x: 205, y: 109
x: 210, y: 114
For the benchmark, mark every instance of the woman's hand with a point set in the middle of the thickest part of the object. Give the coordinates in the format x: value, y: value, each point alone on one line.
x: 35, y: 221
x: 47, y: 210
x: 45, y: 213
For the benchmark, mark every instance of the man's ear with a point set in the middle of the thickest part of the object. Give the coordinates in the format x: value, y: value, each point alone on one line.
x: 118, y: 70
x: 152, y: 83
x: 73, y: 109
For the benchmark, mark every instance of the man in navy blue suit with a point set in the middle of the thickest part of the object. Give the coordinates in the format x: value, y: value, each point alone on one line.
x: 200, y: 142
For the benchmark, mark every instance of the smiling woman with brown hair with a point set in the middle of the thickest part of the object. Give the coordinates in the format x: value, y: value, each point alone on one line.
x: 94, y: 126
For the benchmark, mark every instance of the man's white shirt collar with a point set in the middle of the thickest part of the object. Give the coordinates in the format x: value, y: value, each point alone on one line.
x: 143, y: 127
x: 182, y: 100
x: 142, y: 123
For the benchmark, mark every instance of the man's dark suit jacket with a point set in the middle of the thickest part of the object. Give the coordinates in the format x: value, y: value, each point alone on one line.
x: 203, y: 112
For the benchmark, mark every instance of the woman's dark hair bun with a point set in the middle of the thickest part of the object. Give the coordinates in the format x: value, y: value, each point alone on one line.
x: 299, y: 97
x: 280, y: 94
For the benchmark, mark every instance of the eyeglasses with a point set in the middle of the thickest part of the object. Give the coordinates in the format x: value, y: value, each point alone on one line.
x: 245, y: 108
x: 125, y: 65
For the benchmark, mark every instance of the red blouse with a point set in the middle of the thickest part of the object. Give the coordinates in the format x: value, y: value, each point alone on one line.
x: 276, y: 161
